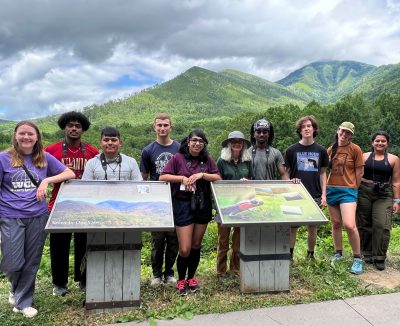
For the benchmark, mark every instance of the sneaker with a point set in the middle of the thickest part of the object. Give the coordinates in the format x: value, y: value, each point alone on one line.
x: 28, y: 312
x: 156, y: 281
x: 181, y: 287
x: 379, y: 265
x: 11, y: 298
x: 60, y: 291
x: 357, y: 267
x: 193, y: 285
x: 170, y: 280
x: 335, y: 258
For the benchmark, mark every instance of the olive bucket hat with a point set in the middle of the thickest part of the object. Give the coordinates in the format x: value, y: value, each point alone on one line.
x: 235, y: 135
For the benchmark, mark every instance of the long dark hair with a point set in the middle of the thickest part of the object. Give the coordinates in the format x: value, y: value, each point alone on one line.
x: 184, y: 148
x: 335, y: 146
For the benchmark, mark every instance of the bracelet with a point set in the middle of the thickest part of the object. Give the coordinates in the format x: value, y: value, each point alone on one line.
x: 396, y: 200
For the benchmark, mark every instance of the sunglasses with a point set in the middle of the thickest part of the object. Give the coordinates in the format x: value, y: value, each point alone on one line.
x: 236, y: 141
x: 262, y: 131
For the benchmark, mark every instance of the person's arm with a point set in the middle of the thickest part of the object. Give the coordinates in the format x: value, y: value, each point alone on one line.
x: 135, y: 172
x: 144, y: 165
x: 396, y: 184
x: 88, y: 172
x: 65, y: 175
x: 359, y: 174
x: 323, y: 178
x: 173, y: 178
x: 283, y: 172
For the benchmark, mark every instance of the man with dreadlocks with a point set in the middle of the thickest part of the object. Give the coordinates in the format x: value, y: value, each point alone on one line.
x: 268, y: 161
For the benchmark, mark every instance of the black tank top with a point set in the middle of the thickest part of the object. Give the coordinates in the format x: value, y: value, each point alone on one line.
x: 377, y: 171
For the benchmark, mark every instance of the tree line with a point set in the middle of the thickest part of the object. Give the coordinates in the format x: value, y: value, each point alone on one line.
x: 368, y: 117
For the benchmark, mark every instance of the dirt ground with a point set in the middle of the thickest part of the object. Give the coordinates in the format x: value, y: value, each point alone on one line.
x: 388, y: 278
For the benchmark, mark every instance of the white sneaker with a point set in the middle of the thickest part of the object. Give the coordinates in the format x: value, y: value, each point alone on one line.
x: 28, y: 312
x: 170, y: 280
x: 11, y: 298
x: 59, y: 291
x: 156, y: 281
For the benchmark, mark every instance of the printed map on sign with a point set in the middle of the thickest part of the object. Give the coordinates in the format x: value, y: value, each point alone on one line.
x: 265, y: 202
x: 112, y: 206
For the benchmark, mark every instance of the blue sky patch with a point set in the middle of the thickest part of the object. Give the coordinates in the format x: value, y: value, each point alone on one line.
x: 127, y: 81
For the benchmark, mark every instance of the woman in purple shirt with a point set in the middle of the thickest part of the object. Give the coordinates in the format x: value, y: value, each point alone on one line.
x: 25, y: 172
x: 190, y: 172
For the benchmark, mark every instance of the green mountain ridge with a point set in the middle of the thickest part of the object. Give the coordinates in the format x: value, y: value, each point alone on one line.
x: 199, y: 94
x: 327, y: 81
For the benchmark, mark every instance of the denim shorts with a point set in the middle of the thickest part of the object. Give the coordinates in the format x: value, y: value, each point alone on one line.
x: 340, y: 195
x: 183, y: 215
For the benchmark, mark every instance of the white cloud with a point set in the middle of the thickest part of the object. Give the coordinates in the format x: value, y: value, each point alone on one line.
x: 62, y: 55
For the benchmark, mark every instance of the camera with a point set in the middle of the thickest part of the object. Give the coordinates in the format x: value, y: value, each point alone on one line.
x: 380, y: 187
x: 197, y: 201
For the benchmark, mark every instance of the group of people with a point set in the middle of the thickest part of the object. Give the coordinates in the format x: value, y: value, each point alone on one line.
x: 361, y: 191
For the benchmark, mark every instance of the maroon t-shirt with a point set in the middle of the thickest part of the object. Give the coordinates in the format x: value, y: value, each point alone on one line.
x: 179, y: 165
x: 73, y: 157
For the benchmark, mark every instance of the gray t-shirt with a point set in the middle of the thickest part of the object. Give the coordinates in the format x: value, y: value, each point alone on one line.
x: 128, y: 169
x: 266, y: 162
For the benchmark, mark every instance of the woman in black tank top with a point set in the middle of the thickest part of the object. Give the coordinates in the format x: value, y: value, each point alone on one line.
x: 378, y: 199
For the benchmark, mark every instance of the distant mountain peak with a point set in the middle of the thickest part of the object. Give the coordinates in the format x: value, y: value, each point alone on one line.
x: 327, y: 80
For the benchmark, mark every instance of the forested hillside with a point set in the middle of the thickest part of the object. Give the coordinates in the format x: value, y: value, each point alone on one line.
x: 221, y: 102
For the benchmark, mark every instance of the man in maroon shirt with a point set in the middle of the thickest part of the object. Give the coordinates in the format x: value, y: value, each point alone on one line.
x: 74, y: 154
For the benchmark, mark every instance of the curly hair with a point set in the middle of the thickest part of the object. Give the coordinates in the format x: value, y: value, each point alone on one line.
x: 73, y: 116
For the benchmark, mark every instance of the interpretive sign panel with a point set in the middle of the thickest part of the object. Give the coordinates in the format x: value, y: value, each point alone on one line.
x: 95, y: 206
x: 265, y: 202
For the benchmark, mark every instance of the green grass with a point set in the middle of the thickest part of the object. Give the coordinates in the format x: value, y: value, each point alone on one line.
x: 310, y: 281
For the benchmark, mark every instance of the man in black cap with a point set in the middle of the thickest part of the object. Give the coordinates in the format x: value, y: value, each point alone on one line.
x: 268, y: 162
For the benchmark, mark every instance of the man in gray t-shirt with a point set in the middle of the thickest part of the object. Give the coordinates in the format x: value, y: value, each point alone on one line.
x: 268, y: 162
x: 111, y: 164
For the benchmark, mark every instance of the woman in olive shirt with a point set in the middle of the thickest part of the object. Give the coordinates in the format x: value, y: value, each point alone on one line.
x: 233, y: 164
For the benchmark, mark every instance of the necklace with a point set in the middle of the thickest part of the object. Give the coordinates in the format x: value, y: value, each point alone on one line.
x: 74, y: 152
x: 115, y: 168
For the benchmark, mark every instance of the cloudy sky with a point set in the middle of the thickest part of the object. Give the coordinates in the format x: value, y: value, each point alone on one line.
x: 59, y: 55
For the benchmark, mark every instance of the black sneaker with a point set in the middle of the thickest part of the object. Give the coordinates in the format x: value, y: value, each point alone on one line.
x: 181, y: 287
x: 379, y: 264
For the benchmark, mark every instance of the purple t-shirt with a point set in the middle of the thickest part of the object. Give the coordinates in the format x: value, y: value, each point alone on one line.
x: 18, y: 193
x: 178, y: 165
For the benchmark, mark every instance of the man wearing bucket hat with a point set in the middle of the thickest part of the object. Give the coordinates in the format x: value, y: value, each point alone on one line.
x: 233, y: 164
x: 346, y: 170
x: 267, y: 161
x: 306, y: 162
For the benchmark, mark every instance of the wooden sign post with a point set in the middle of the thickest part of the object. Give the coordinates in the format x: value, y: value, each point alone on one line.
x: 113, y: 214
x: 265, y: 211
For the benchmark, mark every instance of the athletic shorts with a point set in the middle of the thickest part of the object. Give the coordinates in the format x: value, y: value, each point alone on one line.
x: 184, y: 216
x: 340, y: 195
